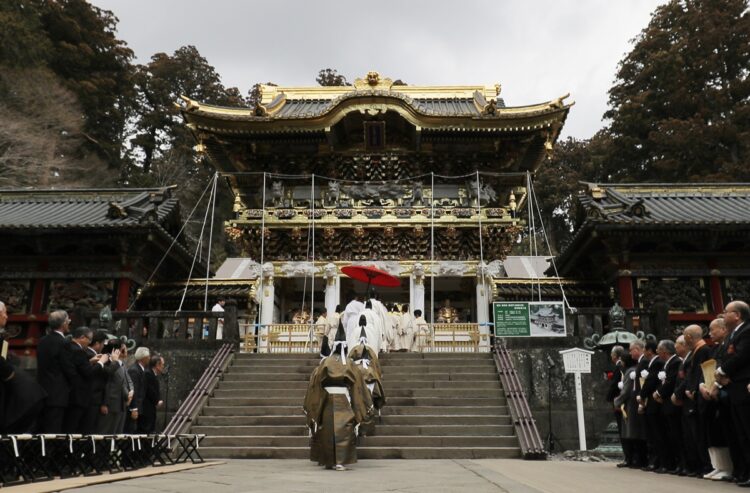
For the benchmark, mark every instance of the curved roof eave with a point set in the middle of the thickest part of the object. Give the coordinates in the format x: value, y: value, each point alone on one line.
x: 243, y: 120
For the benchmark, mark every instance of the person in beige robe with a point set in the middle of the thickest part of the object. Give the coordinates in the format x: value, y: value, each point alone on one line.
x: 421, y: 333
x: 336, y: 402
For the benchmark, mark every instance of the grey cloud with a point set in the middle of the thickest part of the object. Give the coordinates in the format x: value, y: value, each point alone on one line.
x: 538, y: 50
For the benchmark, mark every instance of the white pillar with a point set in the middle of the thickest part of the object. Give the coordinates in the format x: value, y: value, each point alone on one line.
x: 267, y: 296
x: 333, y: 287
x: 484, y: 298
x: 416, y: 289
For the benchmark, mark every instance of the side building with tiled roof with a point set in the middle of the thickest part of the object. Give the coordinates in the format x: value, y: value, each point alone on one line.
x: 678, y: 252
x: 83, y: 249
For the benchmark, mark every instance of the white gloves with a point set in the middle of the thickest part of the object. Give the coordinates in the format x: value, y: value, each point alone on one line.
x: 644, y: 373
x: 632, y: 375
x: 619, y: 385
x: 662, y: 375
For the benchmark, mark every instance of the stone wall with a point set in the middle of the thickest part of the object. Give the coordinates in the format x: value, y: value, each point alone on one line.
x: 530, y: 357
x: 186, y: 361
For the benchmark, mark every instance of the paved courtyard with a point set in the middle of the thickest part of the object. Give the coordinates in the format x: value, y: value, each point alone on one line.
x: 413, y: 476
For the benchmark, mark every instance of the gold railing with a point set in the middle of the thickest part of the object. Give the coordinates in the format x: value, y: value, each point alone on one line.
x: 247, y: 332
x: 301, y: 338
x: 285, y: 338
x: 456, y: 338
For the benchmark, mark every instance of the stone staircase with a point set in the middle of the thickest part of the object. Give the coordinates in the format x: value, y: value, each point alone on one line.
x: 439, y: 406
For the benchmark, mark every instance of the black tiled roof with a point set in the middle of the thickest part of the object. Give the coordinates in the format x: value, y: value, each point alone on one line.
x: 655, y: 207
x: 667, y: 204
x: 84, y: 208
x: 305, y: 108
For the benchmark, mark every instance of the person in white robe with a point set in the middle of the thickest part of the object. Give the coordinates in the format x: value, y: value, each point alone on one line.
x: 421, y: 333
x: 321, y: 326
x: 352, y: 311
x: 333, y: 324
x: 405, y: 329
x: 219, y: 307
x: 394, y: 316
x: 384, y: 323
x: 372, y: 328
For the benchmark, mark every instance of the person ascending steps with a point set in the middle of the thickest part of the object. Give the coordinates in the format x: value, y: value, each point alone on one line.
x: 336, y: 402
x: 366, y: 361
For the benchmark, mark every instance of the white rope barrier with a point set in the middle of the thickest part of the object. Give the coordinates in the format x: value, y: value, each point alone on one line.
x: 549, y: 249
x: 262, y: 249
x: 198, y: 246
x: 432, y: 249
x: 210, y: 241
x: 174, y: 242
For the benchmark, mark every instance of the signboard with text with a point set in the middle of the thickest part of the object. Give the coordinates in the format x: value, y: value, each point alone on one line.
x: 529, y: 319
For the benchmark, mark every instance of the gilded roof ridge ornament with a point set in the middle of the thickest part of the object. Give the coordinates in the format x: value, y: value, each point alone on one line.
x: 373, y: 81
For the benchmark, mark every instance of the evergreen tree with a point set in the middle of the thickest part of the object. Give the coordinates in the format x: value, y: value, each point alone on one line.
x: 96, y: 66
x: 331, y: 77
x: 679, y: 107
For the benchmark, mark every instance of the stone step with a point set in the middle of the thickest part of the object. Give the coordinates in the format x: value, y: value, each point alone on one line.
x: 387, y: 411
x: 385, y: 420
x: 261, y: 356
x: 304, y: 377
x: 365, y: 453
x: 389, y: 384
x: 299, y: 393
x: 370, y: 441
x: 387, y: 370
x: 391, y: 401
x: 267, y: 363
x: 299, y: 429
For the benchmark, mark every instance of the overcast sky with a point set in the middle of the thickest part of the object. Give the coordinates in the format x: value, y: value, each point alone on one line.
x: 537, y: 50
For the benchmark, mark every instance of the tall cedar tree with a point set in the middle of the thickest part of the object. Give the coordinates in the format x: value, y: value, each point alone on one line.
x: 23, y: 41
x: 162, y: 145
x: 41, y: 124
x: 160, y: 130
x: 679, y: 107
x: 96, y: 66
x: 557, y: 184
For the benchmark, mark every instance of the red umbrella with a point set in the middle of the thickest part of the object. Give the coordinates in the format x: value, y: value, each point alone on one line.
x: 371, y: 275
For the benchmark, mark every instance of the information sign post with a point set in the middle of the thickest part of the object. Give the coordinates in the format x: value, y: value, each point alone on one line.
x: 578, y: 361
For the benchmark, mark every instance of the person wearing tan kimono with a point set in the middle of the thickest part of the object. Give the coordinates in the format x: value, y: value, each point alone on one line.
x: 364, y: 358
x: 337, y: 401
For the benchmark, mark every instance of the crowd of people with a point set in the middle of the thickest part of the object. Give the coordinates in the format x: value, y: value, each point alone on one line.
x: 390, y: 328
x: 683, y: 407
x: 82, y: 385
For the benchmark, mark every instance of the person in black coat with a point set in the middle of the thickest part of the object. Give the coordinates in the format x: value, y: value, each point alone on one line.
x: 615, y: 386
x: 734, y: 376
x: 651, y: 408
x: 670, y: 414
x: 87, y: 369
x: 54, y: 373
x: 718, y: 414
x: 637, y: 421
x: 152, y: 396
x: 137, y: 376
x: 695, y: 436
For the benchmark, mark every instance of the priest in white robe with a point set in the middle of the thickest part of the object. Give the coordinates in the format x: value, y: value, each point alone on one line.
x: 372, y: 328
x: 405, y: 329
x: 352, y: 311
x: 384, y: 323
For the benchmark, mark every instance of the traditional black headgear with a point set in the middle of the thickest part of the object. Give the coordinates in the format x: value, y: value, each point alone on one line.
x: 340, y: 333
x: 325, y: 349
x: 339, y: 343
